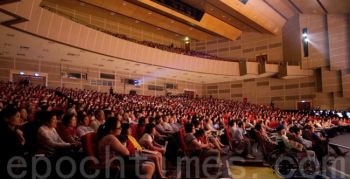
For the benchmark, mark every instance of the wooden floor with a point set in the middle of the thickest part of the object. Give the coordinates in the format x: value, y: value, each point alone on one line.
x: 240, y: 172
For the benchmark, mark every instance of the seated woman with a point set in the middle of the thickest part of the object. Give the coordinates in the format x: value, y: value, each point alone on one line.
x: 211, y: 134
x: 134, y: 147
x: 197, y: 148
x: 147, y: 140
x: 84, y: 125
x: 69, y: 131
x: 11, y: 137
x: 109, y: 148
x: 49, y: 142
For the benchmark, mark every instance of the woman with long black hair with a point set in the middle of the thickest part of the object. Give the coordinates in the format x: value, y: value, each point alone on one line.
x: 109, y: 148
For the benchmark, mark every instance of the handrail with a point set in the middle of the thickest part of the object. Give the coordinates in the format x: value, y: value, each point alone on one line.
x: 342, y: 146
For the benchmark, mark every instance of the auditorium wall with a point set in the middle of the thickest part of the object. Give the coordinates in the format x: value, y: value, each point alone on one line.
x: 57, y: 77
x: 284, y: 93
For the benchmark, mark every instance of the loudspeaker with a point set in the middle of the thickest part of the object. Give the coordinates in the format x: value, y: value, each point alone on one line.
x: 242, y: 68
x: 261, y: 68
x: 132, y: 92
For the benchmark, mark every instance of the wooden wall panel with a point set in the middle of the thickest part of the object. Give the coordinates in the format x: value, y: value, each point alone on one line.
x: 339, y: 36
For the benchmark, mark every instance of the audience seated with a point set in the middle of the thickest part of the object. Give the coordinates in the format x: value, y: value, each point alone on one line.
x: 11, y: 138
x: 197, y: 148
x: 49, y: 142
x: 100, y: 119
x: 135, y: 148
x: 45, y: 107
x: 242, y: 143
x: 109, y: 148
x: 84, y: 124
x: 147, y: 140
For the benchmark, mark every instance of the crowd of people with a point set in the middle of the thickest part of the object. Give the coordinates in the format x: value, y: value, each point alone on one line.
x: 36, y: 120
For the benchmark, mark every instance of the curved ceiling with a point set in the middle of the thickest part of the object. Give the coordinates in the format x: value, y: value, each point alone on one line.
x: 222, y: 18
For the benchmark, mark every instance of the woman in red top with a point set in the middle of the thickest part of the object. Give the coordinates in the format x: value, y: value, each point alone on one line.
x: 68, y: 131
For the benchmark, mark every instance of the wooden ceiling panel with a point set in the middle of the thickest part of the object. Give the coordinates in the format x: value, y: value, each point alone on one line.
x: 308, y: 7
x: 264, y: 16
x: 336, y: 6
x: 283, y: 7
x: 256, y: 13
x: 145, y: 15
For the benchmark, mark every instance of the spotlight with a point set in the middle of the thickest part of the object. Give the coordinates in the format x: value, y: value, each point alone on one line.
x: 36, y: 74
x: 21, y: 73
x: 305, y: 42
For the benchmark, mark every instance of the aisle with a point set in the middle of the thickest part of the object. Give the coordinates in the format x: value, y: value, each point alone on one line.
x: 245, y: 172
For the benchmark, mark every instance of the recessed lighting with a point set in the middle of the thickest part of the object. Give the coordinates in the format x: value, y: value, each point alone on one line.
x: 149, y: 13
x: 112, y: 13
x: 124, y: 3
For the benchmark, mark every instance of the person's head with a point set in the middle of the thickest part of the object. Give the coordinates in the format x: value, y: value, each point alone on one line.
x: 83, y: 119
x: 231, y: 123
x: 240, y: 124
x: 281, y: 130
x: 11, y: 116
x: 23, y: 114
x: 111, y: 126
x: 69, y: 120
x: 49, y: 119
x: 150, y: 128
x: 189, y: 128
x: 199, y: 133
x: 298, y: 131
x: 100, y: 115
x: 126, y: 130
x: 258, y: 127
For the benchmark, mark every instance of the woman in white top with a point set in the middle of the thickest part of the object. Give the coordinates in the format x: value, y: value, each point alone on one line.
x: 147, y: 140
x: 48, y: 140
x: 84, y: 125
